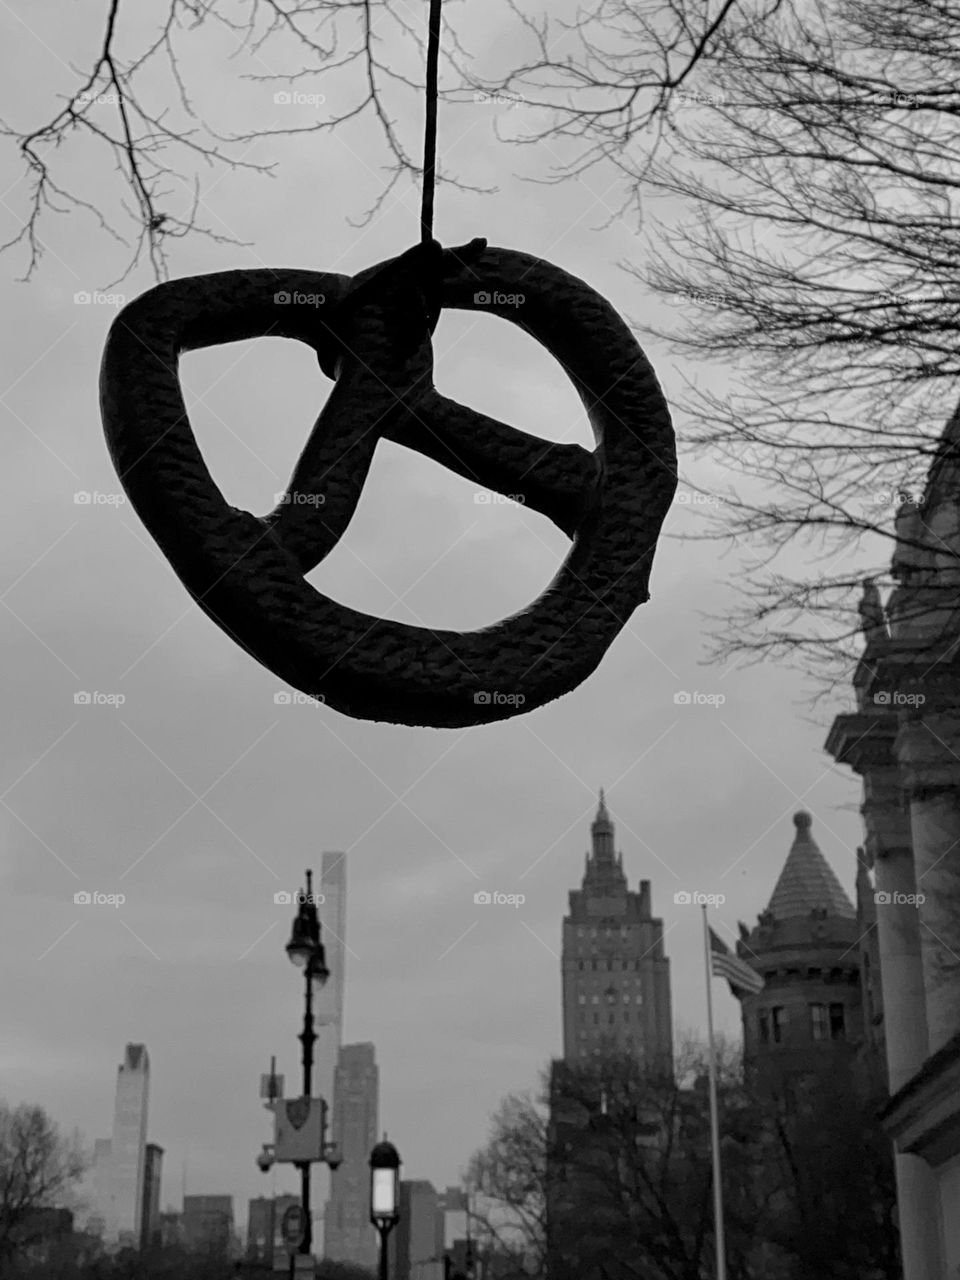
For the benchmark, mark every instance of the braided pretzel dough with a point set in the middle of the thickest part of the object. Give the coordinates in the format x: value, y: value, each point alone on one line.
x: 373, y: 333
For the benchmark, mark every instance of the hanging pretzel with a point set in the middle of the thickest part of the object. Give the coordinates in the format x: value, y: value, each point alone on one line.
x: 373, y: 334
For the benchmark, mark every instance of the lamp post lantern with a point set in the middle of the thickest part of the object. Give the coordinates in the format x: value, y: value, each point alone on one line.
x: 384, y: 1194
x: 306, y: 951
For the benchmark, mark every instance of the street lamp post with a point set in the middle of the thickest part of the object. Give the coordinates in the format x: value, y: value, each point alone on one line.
x: 384, y: 1195
x: 306, y: 951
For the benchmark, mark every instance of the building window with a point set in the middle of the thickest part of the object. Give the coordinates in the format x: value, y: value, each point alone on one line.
x: 626, y: 1015
x: 580, y: 965
x: 610, y: 1019
x: 609, y: 964
x: 838, y: 1029
x: 763, y: 1026
x: 637, y: 999
x: 778, y: 1023
x: 594, y: 964
x: 596, y: 1018
x: 594, y: 999
x: 582, y: 999
x: 623, y: 964
x: 818, y: 1021
x: 626, y: 999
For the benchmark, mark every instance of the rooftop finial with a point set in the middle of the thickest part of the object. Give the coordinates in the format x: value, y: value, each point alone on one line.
x: 802, y: 820
x: 872, y: 619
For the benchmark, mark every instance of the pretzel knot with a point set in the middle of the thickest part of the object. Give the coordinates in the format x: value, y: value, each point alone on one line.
x: 372, y: 334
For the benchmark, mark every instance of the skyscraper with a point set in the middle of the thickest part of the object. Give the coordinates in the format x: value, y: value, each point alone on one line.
x: 349, y: 1236
x: 616, y: 977
x: 328, y: 1004
x: 208, y: 1224
x: 150, y: 1217
x: 123, y: 1176
x: 415, y: 1245
x: 100, y: 1218
x: 264, y: 1228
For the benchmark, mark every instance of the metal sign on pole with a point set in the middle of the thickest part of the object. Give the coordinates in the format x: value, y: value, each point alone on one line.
x: 293, y: 1227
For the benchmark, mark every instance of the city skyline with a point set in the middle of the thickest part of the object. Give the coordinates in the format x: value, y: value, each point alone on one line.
x: 289, y: 1061
x: 602, y: 829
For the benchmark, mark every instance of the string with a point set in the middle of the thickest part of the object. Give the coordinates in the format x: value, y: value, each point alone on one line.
x: 430, y: 130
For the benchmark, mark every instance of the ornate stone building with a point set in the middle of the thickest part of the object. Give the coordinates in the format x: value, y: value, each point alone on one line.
x: 809, y: 1016
x: 616, y: 977
x: 903, y: 741
x: 616, y: 1005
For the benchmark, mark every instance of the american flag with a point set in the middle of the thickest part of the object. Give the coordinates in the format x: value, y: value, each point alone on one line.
x: 724, y: 964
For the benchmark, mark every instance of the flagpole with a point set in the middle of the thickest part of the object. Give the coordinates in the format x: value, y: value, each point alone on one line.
x: 714, y: 1120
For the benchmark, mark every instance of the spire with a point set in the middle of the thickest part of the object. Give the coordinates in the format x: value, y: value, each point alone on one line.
x: 604, y: 870
x: 807, y: 882
x: 601, y: 830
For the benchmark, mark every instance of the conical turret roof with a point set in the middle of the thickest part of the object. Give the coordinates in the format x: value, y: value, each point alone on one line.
x: 807, y: 882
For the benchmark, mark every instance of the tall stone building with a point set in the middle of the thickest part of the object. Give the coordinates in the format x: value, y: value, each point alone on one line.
x: 150, y: 1214
x: 265, y: 1242
x: 120, y: 1162
x: 806, y: 946
x: 616, y: 1007
x: 615, y: 975
x: 207, y: 1224
x: 349, y: 1235
x: 415, y: 1245
x: 903, y: 741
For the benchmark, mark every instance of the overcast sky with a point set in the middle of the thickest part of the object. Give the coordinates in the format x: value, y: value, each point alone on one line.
x: 199, y: 798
